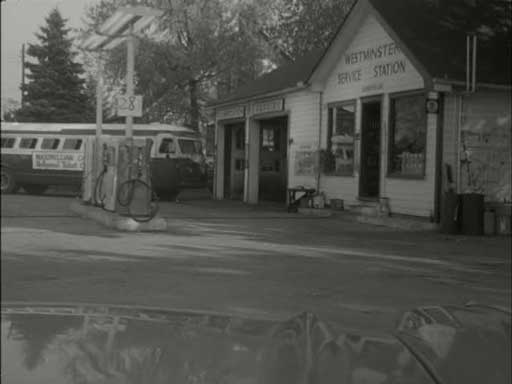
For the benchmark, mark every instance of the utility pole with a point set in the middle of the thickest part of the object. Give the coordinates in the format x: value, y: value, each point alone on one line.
x: 22, y: 73
x: 130, y: 63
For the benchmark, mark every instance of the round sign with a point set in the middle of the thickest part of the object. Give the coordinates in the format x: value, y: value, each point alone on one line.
x: 432, y: 106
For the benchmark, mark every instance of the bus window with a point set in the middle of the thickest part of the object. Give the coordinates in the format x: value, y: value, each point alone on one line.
x: 50, y: 143
x: 28, y: 142
x: 190, y: 147
x: 167, y: 146
x: 74, y: 144
x: 8, y: 142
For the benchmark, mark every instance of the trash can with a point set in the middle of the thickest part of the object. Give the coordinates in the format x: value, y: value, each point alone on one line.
x: 450, y: 217
x: 472, y: 219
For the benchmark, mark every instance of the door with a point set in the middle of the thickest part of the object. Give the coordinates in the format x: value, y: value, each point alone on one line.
x: 273, y: 159
x: 227, y: 161
x: 237, y: 161
x: 369, y: 180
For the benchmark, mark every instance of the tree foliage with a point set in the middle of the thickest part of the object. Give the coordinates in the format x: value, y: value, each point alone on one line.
x: 55, y: 90
x: 205, y: 49
x: 200, y: 49
x: 299, y: 26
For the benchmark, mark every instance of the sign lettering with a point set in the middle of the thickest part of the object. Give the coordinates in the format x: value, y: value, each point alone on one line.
x: 367, y: 64
x: 231, y: 113
x: 129, y: 105
x: 268, y: 106
x: 69, y: 161
x: 373, y: 53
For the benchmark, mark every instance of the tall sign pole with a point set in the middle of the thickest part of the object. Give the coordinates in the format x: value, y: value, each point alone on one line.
x: 22, y: 73
x: 130, y: 45
x: 99, y: 100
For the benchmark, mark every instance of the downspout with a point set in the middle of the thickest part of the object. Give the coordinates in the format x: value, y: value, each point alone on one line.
x: 319, y: 170
x: 460, y: 106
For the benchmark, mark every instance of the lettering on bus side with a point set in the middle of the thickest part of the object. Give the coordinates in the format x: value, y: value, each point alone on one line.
x: 58, y: 161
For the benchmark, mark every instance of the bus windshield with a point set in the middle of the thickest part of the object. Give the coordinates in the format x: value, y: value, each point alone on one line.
x: 190, y: 147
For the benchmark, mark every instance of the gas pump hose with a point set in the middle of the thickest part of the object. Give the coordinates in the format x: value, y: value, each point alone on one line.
x: 125, y: 196
x: 99, y: 200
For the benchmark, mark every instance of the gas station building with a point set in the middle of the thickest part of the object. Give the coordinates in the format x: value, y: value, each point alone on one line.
x: 399, y: 107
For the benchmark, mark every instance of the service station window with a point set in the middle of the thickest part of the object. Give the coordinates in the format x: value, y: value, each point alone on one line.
x: 408, y: 136
x: 339, y: 159
x: 270, y: 139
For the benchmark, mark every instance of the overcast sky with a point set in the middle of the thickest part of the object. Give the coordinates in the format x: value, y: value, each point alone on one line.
x: 21, y: 19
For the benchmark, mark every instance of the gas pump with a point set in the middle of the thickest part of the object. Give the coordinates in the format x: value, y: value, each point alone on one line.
x: 88, y: 177
x: 105, y: 191
x: 118, y: 177
x: 135, y: 197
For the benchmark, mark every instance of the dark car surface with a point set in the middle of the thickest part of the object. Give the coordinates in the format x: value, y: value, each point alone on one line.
x: 91, y: 344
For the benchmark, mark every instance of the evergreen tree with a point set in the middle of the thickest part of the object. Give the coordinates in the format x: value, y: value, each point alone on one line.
x: 55, y: 91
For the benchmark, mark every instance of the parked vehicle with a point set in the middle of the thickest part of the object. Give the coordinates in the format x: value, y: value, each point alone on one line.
x: 36, y: 156
x: 127, y: 344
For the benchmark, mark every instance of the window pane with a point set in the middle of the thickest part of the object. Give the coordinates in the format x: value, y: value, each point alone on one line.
x: 408, y: 135
x: 50, y: 143
x: 198, y: 146
x: 74, y: 144
x: 189, y: 147
x: 341, y: 140
x: 8, y: 142
x: 167, y: 146
x: 268, y: 140
x: 27, y: 142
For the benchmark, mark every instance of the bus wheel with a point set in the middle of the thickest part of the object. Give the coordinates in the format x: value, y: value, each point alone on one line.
x: 35, y: 189
x: 8, y: 184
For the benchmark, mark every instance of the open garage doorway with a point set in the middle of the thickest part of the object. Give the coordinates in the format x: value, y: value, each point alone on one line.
x: 234, y: 161
x: 273, y: 170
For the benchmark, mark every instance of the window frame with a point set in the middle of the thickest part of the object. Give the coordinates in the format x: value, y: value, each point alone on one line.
x: 58, y: 139
x: 7, y: 139
x: 78, y: 139
x: 391, y: 132
x: 29, y: 138
x: 331, y: 122
x: 185, y: 141
x: 173, y: 141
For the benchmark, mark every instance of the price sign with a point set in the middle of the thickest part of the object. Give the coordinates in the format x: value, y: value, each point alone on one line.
x: 129, y: 105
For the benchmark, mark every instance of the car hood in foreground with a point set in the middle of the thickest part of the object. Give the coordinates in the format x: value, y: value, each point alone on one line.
x: 118, y: 344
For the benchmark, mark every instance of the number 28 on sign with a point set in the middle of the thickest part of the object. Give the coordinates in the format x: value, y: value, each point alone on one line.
x: 129, y: 105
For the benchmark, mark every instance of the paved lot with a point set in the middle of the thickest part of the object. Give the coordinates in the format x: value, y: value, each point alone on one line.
x: 226, y: 256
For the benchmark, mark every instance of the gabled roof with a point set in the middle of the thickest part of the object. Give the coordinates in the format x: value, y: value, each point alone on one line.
x: 433, y: 32
x: 285, y: 77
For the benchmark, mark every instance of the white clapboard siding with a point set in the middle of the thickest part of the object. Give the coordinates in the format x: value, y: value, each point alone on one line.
x: 406, y: 196
x: 304, y: 124
x: 489, y: 113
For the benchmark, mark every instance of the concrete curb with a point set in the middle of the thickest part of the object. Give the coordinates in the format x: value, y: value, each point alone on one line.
x: 115, y: 221
x: 315, y: 212
x: 397, y: 223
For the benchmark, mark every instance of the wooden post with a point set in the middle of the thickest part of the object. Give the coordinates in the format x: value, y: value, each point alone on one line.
x: 130, y: 63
